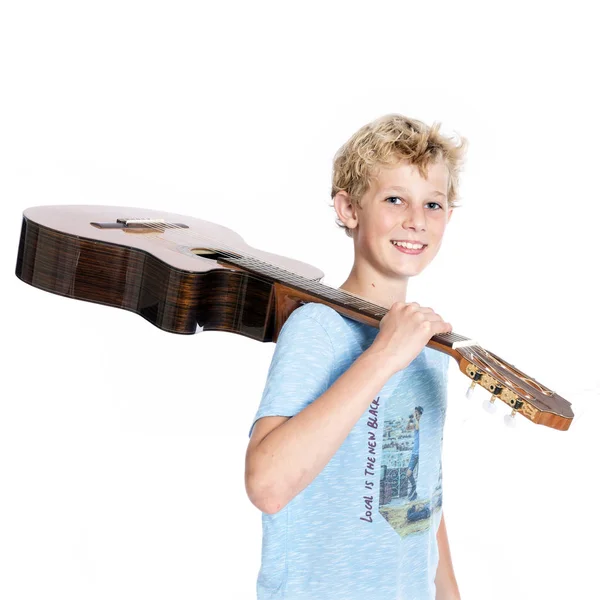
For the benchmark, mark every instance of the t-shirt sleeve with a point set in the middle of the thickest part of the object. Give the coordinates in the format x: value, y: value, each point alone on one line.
x: 301, y: 367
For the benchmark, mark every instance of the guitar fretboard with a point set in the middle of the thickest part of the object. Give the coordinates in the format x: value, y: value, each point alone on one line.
x: 327, y: 293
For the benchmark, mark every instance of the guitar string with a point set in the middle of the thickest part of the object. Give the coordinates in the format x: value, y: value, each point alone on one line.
x: 502, y: 378
x: 490, y: 368
x: 294, y: 277
x: 338, y: 294
x: 222, y: 248
x: 265, y: 266
x: 520, y: 374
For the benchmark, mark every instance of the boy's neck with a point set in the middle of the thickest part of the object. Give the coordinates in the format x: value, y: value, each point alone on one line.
x: 377, y: 292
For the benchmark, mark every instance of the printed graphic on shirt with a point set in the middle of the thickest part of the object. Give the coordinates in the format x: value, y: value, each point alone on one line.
x: 399, y: 500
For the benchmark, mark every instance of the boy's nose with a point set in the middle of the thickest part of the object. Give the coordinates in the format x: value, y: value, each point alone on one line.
x: 414, y: 218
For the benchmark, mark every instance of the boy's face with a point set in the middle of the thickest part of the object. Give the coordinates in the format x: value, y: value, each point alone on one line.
x: 415, y: 213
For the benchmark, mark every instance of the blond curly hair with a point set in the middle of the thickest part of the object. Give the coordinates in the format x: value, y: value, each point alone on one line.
x: 386, y: 141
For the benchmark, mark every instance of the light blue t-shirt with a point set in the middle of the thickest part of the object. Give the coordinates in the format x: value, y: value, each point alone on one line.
x: 353, y: 533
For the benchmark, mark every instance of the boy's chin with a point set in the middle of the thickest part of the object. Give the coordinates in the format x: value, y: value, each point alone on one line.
x: 409, y: 274
x: 413, y: 270
x: 405, y: 273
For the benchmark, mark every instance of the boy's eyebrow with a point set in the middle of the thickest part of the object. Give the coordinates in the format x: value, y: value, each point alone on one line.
x: 403, y: 189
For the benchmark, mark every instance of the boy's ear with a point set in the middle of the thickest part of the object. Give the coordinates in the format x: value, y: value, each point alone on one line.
x: 344, y: 209
x: 449, y: 215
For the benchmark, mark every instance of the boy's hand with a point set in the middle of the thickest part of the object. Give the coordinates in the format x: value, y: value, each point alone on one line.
x: 404, y: 331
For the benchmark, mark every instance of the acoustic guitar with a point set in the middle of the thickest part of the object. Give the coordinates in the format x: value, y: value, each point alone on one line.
x: 185, y: 275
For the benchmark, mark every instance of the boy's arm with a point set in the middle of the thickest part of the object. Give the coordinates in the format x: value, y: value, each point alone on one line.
x: 445, y: 580
x: 288, y: 458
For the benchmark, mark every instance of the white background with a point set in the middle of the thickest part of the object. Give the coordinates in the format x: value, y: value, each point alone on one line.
x: 121, y: 446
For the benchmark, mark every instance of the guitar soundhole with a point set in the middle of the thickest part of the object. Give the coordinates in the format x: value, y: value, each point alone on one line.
x: 215, y: 254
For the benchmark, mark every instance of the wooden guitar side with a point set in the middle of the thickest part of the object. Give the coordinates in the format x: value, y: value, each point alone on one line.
x: 173, y: 299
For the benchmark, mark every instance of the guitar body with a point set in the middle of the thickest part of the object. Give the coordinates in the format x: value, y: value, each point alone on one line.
x: 166, y: 283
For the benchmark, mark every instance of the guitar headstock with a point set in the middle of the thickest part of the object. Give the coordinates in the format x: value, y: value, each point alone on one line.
x: 518, y: 390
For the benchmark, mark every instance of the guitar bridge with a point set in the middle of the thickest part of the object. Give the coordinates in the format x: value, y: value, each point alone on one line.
x: 140, y: 224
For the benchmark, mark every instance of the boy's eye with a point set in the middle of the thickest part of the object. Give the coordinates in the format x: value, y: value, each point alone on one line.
x: 439, y: 206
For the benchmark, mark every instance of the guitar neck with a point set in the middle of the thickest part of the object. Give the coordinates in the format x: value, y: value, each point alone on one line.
x: 292, y: 287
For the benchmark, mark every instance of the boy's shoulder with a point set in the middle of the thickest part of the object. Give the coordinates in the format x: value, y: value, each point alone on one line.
x: 322, y: 313
x: 316, y: 310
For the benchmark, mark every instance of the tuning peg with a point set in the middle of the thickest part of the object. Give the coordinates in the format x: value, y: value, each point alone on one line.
x: 471, y: 390
x: 509, y: 420
x: 489, y: 406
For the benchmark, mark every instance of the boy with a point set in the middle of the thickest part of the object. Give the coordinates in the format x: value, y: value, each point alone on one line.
x: 331, y: 430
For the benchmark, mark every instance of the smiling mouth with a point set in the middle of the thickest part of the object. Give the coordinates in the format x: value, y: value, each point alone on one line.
x: 406, y: 250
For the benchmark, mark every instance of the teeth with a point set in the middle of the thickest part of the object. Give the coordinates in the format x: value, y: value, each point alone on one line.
x: 408, y: 245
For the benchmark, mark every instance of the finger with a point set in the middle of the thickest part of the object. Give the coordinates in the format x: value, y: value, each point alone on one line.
x: 443, y: 326
x: 432, y: 316
x: 439, y: 326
